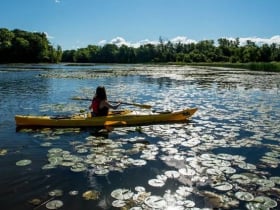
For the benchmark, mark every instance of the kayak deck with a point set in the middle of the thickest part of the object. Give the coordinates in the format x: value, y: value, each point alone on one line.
x: 118, y: 118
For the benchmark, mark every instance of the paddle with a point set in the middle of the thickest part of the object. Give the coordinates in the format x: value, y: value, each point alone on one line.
x: 145, y: 106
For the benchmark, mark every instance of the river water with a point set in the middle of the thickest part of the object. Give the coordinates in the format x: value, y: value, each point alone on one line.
x: 226, y: 156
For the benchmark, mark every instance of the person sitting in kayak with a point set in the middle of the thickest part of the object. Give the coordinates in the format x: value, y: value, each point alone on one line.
x: 99, y: 104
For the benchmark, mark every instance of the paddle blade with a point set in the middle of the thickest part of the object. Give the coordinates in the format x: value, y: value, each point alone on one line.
x: 114, y: 123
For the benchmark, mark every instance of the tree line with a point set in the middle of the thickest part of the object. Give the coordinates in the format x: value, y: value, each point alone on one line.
x: 22, y: 46
x: 27, y: 47
x: 204, y: 51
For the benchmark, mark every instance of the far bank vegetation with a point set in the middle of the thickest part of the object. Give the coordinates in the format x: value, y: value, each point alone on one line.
x: 18, y: 46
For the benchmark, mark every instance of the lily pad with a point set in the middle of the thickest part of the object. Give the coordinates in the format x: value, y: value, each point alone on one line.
x: 184, y: 191
x: 55, y: 150
x: 227, y: 170
x: 3, y: 152
x: 46, y: 144
x: 255, y: 206
x: 187, y: 171
x: 54, y: 204
x: 102, y: 171
x: 56, y: 193
x: 222, y: 186
x: 35, y: 201
x: 155, y: 202
x: 244, y: 196
x: 156, y: 182
x: 23, y: 162
x: 118, y: 203
x: 172, y: 174
x: 122, y: 194
x: 73, y: 192
x: 266, y: 201
x: 139, y: 162
x: 224, y: 156
x: 240, y: 178
x: 275, y: 179
x: 48, y: 166
x: 140, y: 189
x: 78, y: 167
x: 189, y: 203
x: 55, y: 160
x: 247, y: 166
x: 265, y: 182
x: 91, y: 195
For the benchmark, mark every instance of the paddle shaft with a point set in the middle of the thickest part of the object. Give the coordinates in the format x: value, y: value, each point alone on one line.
x: 133, y: 104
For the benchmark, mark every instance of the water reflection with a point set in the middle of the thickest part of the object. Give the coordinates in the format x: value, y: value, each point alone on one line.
x: 228, y: 149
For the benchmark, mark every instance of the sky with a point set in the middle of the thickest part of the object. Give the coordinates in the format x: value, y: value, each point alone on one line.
x: 75, y: 24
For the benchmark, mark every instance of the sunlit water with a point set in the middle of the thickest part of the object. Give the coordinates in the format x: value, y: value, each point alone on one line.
x: 230, y: 146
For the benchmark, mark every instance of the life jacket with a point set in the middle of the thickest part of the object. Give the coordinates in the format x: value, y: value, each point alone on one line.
x: 96, y: 111
x: 95, y: 105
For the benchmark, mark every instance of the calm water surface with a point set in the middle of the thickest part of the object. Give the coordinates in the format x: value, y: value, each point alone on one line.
x: 231, y: 145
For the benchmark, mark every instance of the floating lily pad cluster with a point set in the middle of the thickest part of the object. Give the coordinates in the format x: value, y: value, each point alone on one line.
x: 53, y: 202
x: 141, y: 199
x: 228, y: 178
x: 98, y: 155
x: 222, y: 172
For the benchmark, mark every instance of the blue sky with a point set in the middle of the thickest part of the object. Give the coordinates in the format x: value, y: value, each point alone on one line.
x: 77, y: 23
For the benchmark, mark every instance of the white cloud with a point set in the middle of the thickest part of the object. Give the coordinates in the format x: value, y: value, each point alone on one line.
x: 144, y: 42
x: 257, y: 40
x: 48, y: 36
x: 261, y: 41
x: 121, y: 41
x: 102, y: 42
x: 183, y: 40
x: 57, y: 1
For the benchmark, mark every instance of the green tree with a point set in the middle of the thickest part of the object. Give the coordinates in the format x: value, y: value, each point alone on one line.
x: 146, y: 53
x: 250, y: 52
x: 6, y: 38
x: 94, y: 53
x: 68, y: 56
x: 82, y: 55
x: 275, y: 52
x: 108, y: 53
x: 265, y: 53
x: 23, y: 46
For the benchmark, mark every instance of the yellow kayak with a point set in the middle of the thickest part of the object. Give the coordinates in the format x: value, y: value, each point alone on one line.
x: 116, y: 118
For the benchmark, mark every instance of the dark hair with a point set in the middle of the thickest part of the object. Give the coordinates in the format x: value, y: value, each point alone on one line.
x: 101, y: 93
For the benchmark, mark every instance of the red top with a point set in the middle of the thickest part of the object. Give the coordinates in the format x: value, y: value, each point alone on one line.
x: 96, y: 110
x: 95, y: 105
